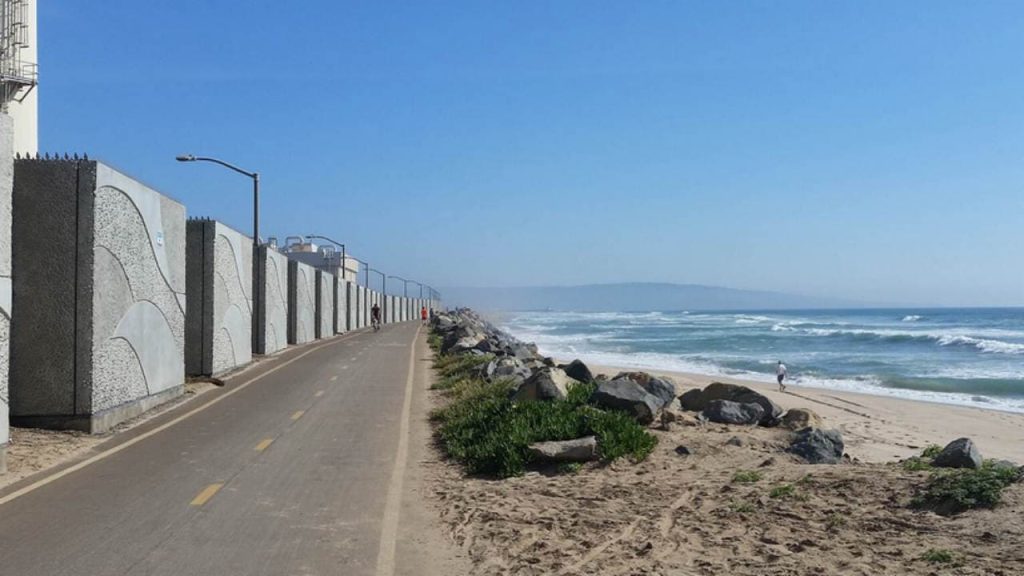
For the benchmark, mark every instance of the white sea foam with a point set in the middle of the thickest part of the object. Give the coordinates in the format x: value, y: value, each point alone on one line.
x: 987, y: 346
x: 911, y: 318
x: 750, y: 319
x: 975, y: 339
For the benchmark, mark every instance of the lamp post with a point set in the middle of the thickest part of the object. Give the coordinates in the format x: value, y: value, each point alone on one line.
x: 405, y: 288
x: 255, y: 229
x: 344, y: 281
x: 336, y: 243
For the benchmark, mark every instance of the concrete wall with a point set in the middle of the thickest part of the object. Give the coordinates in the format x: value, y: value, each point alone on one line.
x: 272, y: 301
x: 324, y: 304
x: 341, y: 308
x: 301, y: 303
x: 101, y: 280
x: 357, y: 307
x: 218, y: 319
x: 6, y: 185
x: 361, y: 309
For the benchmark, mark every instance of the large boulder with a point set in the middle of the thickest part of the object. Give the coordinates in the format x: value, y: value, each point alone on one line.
x: 545, y: 384
x: 578, y: 371
x: 729, y: 412
x: 628, y: 396
x: 800, y: 418
x: 663, y: 388
x: 522, y: 351
x: 693, y: 400
x: 442, y: 323
x: 507, y: 368
x: 960, y: 453
x: 818, y: 446
x: 578, y: 450
x: 470, y: 342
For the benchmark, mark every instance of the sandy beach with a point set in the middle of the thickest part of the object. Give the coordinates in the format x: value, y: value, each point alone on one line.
x: 877, y: 428
x: 683, y: 511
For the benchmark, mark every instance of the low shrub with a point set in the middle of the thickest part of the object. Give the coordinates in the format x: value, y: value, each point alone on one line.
x: 939, y: 556
x: 489, y: 433
x: 954, y: 491
x: 454, y: 368
x: 835, y: 520
x: 924, y: 461
x: 783, y: 491
x: 570, y: 468
x: 742, y: 507
x: 435, y: 341
x: 916, y: 464
x: 746, y: 477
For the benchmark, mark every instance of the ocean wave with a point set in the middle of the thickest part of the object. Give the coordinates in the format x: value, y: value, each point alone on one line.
x: 987, y: 346
x: 911, y: 318
x: 750, y: 319
x: 975, y: 340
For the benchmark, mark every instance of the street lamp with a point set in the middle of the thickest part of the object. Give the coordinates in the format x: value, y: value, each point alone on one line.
x: 405, y: 288
x: 336, y: 243
x: 255, y: 229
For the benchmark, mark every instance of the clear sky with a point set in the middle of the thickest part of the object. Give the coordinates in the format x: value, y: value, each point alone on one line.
x: 865, y: 150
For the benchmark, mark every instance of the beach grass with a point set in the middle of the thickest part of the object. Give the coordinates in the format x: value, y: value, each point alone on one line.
x: 454, y: 369
x: 746, y: 477
x: 489, y: 433
x: 954, y: 491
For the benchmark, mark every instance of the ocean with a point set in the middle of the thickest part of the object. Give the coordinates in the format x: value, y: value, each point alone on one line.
x: 970, y: 357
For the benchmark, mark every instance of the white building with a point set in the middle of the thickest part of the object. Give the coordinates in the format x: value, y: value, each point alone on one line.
x: 326, y: 258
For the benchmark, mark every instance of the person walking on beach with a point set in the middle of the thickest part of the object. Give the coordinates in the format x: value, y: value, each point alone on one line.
x: 780, y: 375
x: 423, y: 315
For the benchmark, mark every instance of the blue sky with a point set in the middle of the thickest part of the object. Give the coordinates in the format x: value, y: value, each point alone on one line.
x: 865, y: 150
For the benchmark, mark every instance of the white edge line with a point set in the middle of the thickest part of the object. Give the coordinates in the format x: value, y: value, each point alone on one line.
x: 392, y: 507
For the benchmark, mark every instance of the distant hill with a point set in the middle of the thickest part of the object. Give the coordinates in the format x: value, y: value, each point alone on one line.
x: 630, y: 297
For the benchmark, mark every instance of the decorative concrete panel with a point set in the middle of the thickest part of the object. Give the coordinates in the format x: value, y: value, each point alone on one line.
x: 324, y: 304
x: 6, y: 186
x: 219, y: 282
x: 101, y: 276
x: 272, y: 303
x: 341, y: 306
x: 301, y: 303
x: 360, y: 306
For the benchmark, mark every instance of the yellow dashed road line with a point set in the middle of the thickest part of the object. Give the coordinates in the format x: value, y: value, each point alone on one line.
x: 298, y: 414
x: 319, y: 393
x: 206, y: 494
x: 264, y: 444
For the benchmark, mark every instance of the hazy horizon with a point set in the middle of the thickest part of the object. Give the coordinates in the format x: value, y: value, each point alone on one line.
x: 863, y: 151
x: 656, y: 296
